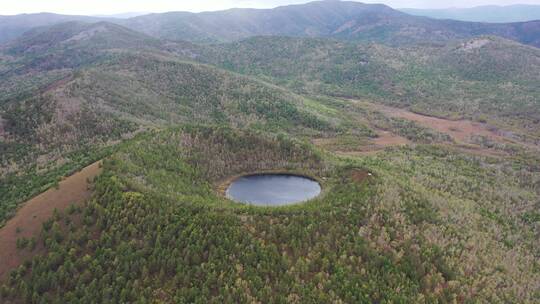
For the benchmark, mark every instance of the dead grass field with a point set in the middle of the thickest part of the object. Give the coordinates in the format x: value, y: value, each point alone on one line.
x: 362, y: 148
x: 30, y: 217
x: 459, y: 130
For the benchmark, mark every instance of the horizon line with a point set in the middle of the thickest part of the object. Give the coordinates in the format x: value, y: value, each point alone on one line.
x: 143, y: 13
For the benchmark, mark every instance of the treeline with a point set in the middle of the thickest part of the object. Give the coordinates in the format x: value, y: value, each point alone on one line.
x: 222, y: 152
x: 17, y: 187
x: 40, y: 147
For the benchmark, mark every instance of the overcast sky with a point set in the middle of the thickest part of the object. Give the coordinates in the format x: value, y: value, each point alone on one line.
x: 94, y: 7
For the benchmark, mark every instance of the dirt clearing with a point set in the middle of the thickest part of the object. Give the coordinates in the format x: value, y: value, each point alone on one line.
x: 360, y: 176
x: 388, y: 139
x: 30, y: 217
x: 459, y: 130
x: 361, y: 146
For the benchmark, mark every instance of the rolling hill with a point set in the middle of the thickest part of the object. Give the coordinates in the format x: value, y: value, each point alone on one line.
x: 497, y: 78
x: 91, y: 84
x: 75, y: 85
x: 78, y: 50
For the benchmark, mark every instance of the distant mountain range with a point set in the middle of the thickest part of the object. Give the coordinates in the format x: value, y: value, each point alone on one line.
x: 123, y: 15
x: 345, y: 20
x: 489, y: 13
x: 12, y: 27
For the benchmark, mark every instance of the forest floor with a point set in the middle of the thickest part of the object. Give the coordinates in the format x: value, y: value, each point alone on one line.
x: 30, y: 217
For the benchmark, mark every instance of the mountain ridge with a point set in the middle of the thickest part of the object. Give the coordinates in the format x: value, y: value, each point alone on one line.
x: 486, y: 13
x: 13, y: 26
x: 336, y: 19
x: 345, y: 20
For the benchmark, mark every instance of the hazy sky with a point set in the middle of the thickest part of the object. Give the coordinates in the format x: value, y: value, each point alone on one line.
x: 93, y: 7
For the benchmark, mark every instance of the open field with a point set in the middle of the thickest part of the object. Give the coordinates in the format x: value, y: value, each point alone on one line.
x: 369, y: 147
x: 459, y: 130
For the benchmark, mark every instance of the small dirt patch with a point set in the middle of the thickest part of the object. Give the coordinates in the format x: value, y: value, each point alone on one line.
x: 388, y: 139
x: 360, y: 176
x: 29, y: 219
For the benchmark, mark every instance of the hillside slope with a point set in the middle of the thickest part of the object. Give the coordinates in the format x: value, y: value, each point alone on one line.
x: 91, y: 85
x: 102, y: 61
x: 470, y: 78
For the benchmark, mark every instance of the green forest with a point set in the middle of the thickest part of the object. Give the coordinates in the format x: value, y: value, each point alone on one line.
x: 156, y: 229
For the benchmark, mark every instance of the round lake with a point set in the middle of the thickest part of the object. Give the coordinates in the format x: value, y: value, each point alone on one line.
x: 273, y: 189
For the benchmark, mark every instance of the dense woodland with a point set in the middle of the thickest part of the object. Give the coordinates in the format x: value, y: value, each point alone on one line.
x: 156, y: 229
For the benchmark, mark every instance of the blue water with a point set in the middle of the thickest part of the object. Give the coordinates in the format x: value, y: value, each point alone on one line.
x: 273, y: 189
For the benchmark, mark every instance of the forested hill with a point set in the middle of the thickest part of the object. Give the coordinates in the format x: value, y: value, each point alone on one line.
x: 428, y: 229
x: 499, y: 78
x: 75, y: 88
